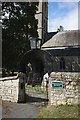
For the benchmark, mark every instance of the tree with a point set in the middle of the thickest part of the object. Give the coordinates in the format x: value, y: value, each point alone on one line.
x: 18, y: 24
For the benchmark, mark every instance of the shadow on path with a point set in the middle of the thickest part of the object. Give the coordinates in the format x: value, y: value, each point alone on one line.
x: 31, y: 99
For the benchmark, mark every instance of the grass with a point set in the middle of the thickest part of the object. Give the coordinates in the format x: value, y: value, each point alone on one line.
x: 61, y: 111
x: 37, y: 88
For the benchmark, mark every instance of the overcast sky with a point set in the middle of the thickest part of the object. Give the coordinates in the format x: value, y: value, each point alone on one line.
x: 62, y: 13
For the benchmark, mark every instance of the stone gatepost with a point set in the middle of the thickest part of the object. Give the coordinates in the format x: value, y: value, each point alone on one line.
x: 21, y: 87
x: 64, y: 88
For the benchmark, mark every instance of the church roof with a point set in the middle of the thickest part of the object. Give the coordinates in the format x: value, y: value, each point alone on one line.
x: 63, y: 39
x: 48, y: 35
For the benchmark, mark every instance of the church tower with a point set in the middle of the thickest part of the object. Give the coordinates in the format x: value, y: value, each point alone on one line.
x: 42, y: 16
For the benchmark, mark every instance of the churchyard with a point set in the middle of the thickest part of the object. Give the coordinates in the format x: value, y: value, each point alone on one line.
x: 47, y: 81
x: 36, y: 100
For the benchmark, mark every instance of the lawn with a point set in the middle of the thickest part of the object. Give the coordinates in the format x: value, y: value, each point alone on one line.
x: 61, y: 111
x: 36, y: 88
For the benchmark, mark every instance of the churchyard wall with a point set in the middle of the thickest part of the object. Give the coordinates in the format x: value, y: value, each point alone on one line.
x: 13, y: 88
x: 64, y: 88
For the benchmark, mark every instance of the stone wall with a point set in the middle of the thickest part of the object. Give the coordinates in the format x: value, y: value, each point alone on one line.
x: 66, y: 90
x: 71, y: 63
x: 10, y: 88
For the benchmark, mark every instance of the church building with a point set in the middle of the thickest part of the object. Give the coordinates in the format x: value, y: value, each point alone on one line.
x: 59, y: 52
x: 64, y: 46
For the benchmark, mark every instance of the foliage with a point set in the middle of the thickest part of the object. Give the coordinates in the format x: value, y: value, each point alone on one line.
x: 18, y: 24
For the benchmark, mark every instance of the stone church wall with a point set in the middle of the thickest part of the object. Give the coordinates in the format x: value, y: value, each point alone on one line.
x: 64, y: 88
x: 71, y: 63
x: 10, y: 88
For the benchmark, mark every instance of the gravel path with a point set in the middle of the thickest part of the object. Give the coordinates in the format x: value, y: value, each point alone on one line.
x: 0, y: 109
x: 35, y: 98
x: 30, y: 109
x: 22, y: 111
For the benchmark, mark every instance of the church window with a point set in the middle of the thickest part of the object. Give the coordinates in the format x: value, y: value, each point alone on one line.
x: 44, y: 26
x: 62, y: 64
x: 44, y: 6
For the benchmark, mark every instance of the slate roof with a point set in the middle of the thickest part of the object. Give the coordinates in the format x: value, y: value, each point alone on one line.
x: 63, y: 39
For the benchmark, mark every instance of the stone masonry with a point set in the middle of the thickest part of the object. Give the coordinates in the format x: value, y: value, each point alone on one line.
x: 69, y: 92
x: 13, y: 88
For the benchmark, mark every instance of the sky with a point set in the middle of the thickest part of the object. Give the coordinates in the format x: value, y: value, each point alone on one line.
x: 62, y: 13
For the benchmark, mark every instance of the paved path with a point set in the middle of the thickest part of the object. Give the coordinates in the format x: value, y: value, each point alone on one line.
x: 29, y: 109
x: 0, y: 109
x: 22, y: 111
x: 34, y: 97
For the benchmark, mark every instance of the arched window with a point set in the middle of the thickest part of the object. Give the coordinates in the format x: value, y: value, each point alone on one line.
x: 62, y: 64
